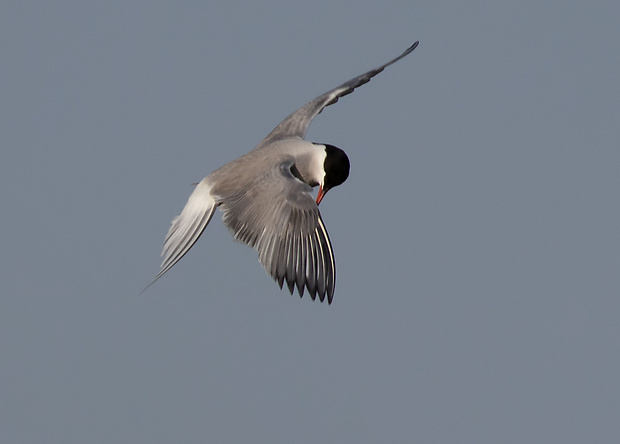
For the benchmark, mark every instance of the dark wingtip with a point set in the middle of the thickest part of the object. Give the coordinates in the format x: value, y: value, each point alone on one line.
x: 411, y: 48
x: 291, y: 285
x: 328, y: 293
x: 300, y: 290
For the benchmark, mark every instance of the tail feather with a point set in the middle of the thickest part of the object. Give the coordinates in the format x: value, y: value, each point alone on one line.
x: 187, y: 227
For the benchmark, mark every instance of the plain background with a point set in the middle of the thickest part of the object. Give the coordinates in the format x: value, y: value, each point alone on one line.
x: 477, y: 238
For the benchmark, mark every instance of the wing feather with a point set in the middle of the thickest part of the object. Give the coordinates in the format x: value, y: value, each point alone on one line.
x: 277, y: 216
x: 297, y: 123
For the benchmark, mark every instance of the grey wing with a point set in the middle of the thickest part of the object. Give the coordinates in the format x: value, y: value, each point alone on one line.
x: 297, y: 123
x: 277, y: 216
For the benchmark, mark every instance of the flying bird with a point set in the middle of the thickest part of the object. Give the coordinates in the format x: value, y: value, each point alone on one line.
x: 265, y: 197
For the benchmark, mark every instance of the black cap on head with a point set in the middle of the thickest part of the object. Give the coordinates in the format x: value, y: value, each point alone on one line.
x: 336, y: 167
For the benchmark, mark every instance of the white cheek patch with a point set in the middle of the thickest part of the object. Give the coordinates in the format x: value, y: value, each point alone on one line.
x: 318, y: 165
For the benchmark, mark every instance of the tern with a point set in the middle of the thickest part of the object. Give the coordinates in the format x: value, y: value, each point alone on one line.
x: 265, y: 197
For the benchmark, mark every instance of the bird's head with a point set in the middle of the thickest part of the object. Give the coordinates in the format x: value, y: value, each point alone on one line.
x: 336, y: 168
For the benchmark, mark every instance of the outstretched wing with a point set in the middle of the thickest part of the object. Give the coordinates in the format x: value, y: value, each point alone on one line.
x: 277, y: 216
x: 297, y: 123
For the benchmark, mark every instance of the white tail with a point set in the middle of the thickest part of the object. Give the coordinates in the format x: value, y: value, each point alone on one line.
x: 187, y: 227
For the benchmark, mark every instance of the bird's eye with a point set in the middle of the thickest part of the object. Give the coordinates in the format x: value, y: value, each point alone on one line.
x: 295, y: 172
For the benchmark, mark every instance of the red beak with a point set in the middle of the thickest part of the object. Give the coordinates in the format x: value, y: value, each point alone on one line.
x: 320, y: 196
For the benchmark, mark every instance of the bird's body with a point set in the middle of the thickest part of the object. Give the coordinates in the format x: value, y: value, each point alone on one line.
x: 265, y: 197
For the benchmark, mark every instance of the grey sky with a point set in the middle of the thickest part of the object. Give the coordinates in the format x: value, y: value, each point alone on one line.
x: 477, y: 238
